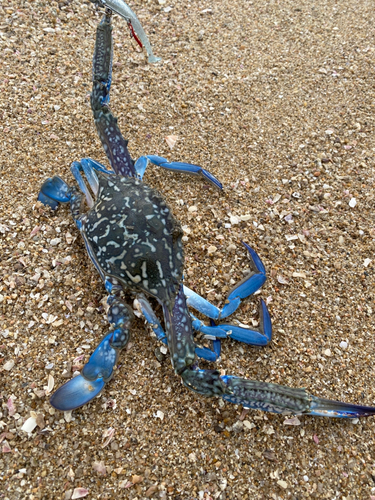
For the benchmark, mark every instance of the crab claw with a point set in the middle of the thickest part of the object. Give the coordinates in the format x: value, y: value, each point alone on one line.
x: 48, y: 201
x: 83, y: 388
x: 75, y: 393
x: 54, y: 191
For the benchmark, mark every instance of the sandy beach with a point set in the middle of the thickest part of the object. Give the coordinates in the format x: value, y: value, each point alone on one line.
x: 274, y: 98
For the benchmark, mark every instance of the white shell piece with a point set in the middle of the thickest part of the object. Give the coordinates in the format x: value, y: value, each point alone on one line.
x: 29, y: 425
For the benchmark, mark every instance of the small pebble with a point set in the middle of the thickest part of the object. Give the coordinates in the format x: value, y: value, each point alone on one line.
x: 282, y: 483
x: 55, y: 241
x: 8, y: 365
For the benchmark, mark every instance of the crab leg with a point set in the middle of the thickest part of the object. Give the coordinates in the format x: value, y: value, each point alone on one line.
x: 210, y: 354
x: 176, y: 166
x: 100, y: 367
x: 279, y: 399
x: 249, y: 393
x: 262, y: 336
x: 98, y: 167
x: 213, y: 332
x: 115, y: 146
x: 123, y: 10
x: 250, y: 284
x: 144, y: 306
x: 76, y: 168
x: 182, y: 351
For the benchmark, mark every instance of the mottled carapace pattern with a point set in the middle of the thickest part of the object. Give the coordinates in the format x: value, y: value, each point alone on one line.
x: 135, y: 237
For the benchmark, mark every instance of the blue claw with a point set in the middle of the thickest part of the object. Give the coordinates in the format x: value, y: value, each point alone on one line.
x: 48, y: 201
x: 55, y: 189
x: 102, y: 361
x: 81, y: 389
x: 75, y: 393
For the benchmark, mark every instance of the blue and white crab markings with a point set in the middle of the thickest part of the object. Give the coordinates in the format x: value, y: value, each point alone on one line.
x: 125, y: 240
x: 246, y: 287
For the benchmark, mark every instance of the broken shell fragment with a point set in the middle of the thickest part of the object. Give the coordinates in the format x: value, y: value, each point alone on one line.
x: 29, y: 425
x: 79, y: 493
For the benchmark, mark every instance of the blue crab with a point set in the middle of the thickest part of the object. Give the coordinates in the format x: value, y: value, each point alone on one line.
x: 135, y: 244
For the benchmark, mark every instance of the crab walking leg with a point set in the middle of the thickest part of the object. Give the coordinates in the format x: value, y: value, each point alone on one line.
x: 260, y: 337
x: 210, y: 354
x: 98, y: 167
x: 85, y: 166
x: 76, y: 171
x: 250, y: 284
x: 143, y: 305
x: 100, y: 367
x: 115, y: 146
x: 251, y: 394
x: 276, y: 398
x: 185, y: 168
x: 123, y: 10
